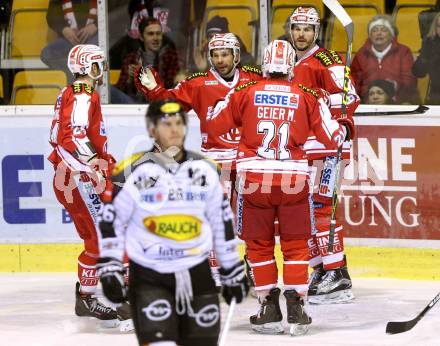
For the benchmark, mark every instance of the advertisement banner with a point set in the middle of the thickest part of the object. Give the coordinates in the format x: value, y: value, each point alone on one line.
x: 390, y: 190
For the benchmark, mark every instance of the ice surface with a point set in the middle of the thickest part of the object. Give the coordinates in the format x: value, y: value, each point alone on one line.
x: 38, y: 309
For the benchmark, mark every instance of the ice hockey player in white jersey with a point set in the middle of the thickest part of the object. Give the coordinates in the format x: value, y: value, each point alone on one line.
x: 168, y: 210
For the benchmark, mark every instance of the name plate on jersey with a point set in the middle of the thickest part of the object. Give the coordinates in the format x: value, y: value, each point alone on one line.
x: 179, y: 227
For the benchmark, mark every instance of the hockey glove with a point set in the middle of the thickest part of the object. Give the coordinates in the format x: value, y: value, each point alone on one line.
x: 234, y: 283
x: 111, y: 275
x: 145, y: 77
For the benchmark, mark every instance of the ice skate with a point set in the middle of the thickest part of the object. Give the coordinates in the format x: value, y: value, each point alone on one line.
x: 334, y: 288
x: 268, y: 318
x: 124, y: 316
x: 315, y: 279
x: 88, y: 306
x: 297, y: 317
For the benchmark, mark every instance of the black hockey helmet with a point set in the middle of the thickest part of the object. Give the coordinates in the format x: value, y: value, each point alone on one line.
x: 161, y: 109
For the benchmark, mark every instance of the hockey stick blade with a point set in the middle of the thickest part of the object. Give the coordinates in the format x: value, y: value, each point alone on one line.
x: 404, y: 326
x: 338, y: 11
x: 419, y: 110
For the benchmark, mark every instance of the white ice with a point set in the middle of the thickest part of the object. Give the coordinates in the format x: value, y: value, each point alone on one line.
x: 38, y: 309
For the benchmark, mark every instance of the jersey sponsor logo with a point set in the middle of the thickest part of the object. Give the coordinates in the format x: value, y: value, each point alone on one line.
x: 280, y: 99
x: 173, y: 195
x: 245, y: 85
x: 79, y: 132
x: 211, y: 82
x: 102, y: 131
x: 276, y: 87
x: 166, y: 253
x: 178, y: 227
x: 328, y: 177
x: 324, y: 58
x: 158, y: 310
x: 335, y: 57
x: 196, y: 75
x: 207, y: 316
x: 248, y: 68
x: 308, y: 90
x: 233, y: 136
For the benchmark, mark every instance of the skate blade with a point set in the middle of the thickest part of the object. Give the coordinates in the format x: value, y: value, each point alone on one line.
x: 126, y: 326
x: 105, y: 324
x: 268, y: 328
x: 298, y: 329
x: 338, y: 297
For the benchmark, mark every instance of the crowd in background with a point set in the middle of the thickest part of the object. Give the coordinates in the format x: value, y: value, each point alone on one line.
x: 160, y: 33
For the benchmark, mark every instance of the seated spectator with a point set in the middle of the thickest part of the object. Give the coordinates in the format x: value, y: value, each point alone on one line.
x: 217, y: 25
x: 428, y: 62
x: 156, y: 51
x: 381, y: 92
x: 75, y: 23
x: 382, y: 57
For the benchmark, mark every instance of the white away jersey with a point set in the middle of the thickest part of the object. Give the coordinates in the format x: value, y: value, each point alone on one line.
x: 168, y: 216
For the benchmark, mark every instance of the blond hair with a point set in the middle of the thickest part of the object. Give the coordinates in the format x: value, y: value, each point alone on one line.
x: 433, y: 27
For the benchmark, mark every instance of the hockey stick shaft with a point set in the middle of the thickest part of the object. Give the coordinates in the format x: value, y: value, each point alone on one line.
x: 338, y: 11
x: 225, y: 330
x: 404, y: 326
x: 419, y: 110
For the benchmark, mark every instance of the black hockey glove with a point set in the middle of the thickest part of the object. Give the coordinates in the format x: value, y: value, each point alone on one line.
x: 234, y: 283
x: 111, y: 275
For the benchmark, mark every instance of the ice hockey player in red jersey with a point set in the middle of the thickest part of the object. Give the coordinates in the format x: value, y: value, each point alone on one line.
x: 276, y: 117
x: 201, y: 90
x: 81, y: 163
x: 321, y: 68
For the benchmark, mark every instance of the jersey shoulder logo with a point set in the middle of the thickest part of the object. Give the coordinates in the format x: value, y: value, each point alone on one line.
x: 335, y: 56
x: 79, y: 88
x: 308, y: 90
x: 197, y: 74
x: 249, y: 68
x: 126, y: 162
x: 245, y: 85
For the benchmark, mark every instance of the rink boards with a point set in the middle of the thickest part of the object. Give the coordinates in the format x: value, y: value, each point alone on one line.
x: 389, y: 192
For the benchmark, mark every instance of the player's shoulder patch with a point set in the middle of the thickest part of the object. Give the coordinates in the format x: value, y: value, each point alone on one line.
x: 79, y: 88
x: 308, y: 90
x: 197, y: 75
x: 245, y: 85
x: 328, y: 57
x: 250, y: 68
x: 190, y: 155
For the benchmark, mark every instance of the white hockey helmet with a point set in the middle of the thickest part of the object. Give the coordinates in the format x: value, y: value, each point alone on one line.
x: 81, y: 58
x: 306, y: 15
x: 225, y: 41
x: 279, y: 57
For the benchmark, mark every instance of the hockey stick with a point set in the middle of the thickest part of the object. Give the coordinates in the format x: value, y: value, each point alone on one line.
x: 338, y: 11
x: 225, y: 330
x: 400, y: 327
x: 419, y: 110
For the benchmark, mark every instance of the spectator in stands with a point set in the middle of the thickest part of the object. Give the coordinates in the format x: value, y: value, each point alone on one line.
x: 156, y: 51
x: 382, y: 57
x: 75, y: 23
x: 381, y: 92
x: 428, y: 62
x: 217, y: 25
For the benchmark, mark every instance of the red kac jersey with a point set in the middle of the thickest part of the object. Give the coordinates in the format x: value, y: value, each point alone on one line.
x: 78, y: 131
x: 200, y: 92
x: 276, y: 117
x: 324, y: 69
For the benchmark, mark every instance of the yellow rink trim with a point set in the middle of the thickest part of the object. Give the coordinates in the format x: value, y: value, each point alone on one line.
x: 399, y: 263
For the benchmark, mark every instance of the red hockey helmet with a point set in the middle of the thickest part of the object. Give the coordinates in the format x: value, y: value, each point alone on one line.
x: 81, y: 58
x: 225, y: 41
x: 306, y: 15
x: 279, y: 57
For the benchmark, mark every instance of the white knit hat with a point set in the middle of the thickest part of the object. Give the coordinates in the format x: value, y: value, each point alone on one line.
x: 381, y: 21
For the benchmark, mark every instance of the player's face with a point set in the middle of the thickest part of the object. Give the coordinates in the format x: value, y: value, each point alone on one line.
x: 380, y: 37
x: 152, y: 37
x: 223, y: 61
x: 303, y: 36
x: 376, y: 96
x: 169, y: 132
